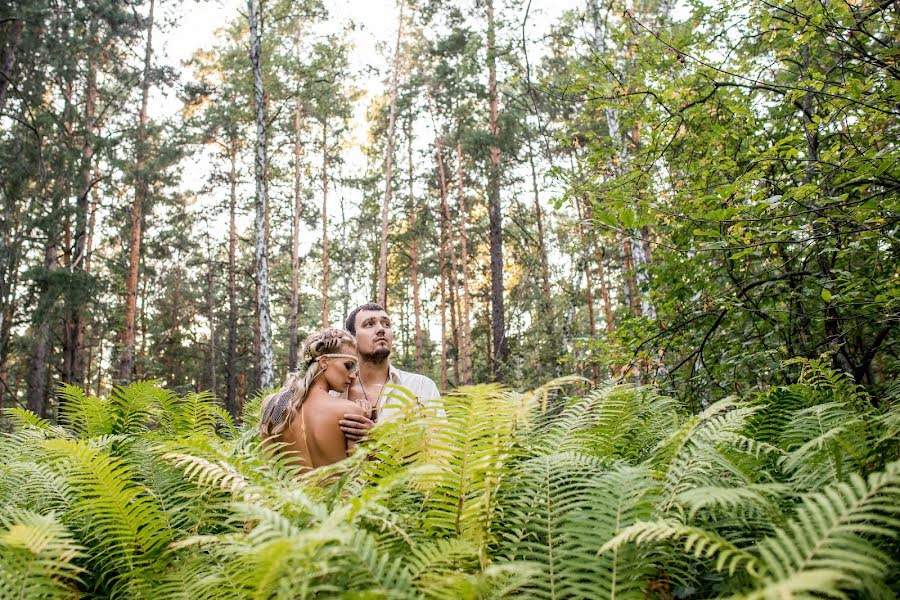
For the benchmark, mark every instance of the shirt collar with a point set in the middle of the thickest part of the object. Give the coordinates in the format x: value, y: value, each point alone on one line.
x: 394, y: 374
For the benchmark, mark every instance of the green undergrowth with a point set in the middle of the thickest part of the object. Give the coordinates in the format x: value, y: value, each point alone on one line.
x: 568, y: 491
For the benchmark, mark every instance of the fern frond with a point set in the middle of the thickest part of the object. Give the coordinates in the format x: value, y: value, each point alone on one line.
x: 559, y: 509
x: 209, y: 474
x: 21, y: 418
x: 126, y: 529
x: 749, y: 497
x: 84, y: 415
x: 469, y: 450
x: 831, y: 531
x: 698, y: 542
x: 134, y: 405
x: 39, y: 557
x: 824, y: 443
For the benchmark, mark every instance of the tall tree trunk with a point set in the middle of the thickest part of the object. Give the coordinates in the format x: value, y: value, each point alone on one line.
x: 588, y: 284
x: 449, y: 259
x: 442, y: 259
x: 494, y: 213
x: 231, y: 404
x: 8, y: 59
x: 76, y: 321
x: 604, y: 289
x: 211, y: 315
x: 37, y: 376
x: 539, y: 217
x: 389, y: 167
x: 325, y: 222
x: 466, y: 329
x: 414, y: 254
x: 126, y: 362
x: 295, y: 239
x: 266, y: 373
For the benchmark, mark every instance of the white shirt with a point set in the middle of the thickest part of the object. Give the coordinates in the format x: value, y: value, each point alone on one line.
x: 423, y: 388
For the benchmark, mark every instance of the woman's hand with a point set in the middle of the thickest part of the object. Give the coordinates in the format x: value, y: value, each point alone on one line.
x: 355, y: 427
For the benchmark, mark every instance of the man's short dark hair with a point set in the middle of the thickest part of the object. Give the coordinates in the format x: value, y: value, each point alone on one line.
x: 350, y: 324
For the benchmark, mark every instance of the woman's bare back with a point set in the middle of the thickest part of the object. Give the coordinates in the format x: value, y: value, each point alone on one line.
x: 314, y: 436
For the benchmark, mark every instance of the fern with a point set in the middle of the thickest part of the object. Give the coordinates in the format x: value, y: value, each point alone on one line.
x: 831, y: 532
x: 39, y: 557
x: 125, y: 528
x: 469, y: 451
x: 559, y: 511
x: 699, y: 543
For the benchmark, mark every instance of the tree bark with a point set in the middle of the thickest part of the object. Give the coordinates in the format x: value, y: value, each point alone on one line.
x: 494, y: 213
x: 37, y: 376
x: 295, y: 239
x: 211, y: 315
x: 389, y: 167
x: 588, y: 284
x: 266, y: 373
x: 76, y: 321
x: 443, y: 262
x: 539, y: 217
x: 325, y: 222
x: 466, y: 329
x: 126, y: 362
x: 414, y: 255
x: 449, y: 263
x: 231, y: 353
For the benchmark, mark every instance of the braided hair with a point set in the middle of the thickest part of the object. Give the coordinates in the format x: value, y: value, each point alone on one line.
x: 279, y: 408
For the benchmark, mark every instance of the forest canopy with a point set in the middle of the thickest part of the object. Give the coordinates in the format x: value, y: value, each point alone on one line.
x: 689, y: 194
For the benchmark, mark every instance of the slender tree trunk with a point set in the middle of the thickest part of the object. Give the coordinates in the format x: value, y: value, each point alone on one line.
x: 389, y: 167
x: 8, y: 59
x: 126, y: 363
x: 231, y: 357
x: 211, y: 315
x: 449, y: 258
x: 325, y: 222
x: 266, y: 373
x: 76, y: 321
x: 37, y: 376
x: 295, y: 240
x: 588, y: 284
x: 99, y: 367
x: 604, y: 290
x: 414, y: 254
x: 539, y: 217
x: 466, y: 329
x: 443, y: 263
x: 632, y: 293
x: 494, y: 213
x: 89, y: 248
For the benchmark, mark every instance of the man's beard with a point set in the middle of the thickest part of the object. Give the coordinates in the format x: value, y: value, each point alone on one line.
x: 376, y: 357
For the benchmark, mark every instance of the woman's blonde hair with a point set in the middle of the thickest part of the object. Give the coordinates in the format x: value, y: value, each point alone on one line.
x: 279, y: 408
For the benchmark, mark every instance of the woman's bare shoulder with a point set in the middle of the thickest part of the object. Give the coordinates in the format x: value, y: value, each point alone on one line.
x: 341, y: 407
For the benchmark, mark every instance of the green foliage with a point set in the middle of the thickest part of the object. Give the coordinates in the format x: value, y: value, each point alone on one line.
x: 615, y: 492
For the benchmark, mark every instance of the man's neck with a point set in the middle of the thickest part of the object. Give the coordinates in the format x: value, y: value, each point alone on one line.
x: 374, y: 373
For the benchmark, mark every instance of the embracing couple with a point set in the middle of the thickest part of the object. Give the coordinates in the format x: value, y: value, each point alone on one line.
x: 339, y: 391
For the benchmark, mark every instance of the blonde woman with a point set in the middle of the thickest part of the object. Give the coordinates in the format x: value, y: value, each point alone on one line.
x: 303, y: 415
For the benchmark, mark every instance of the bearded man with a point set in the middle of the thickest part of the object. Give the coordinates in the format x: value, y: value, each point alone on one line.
x: 371, y: 326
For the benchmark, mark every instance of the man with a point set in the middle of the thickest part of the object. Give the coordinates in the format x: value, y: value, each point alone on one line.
x: 374, y: 339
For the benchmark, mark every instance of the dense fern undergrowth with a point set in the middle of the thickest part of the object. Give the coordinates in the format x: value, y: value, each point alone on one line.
x: 563, y: 492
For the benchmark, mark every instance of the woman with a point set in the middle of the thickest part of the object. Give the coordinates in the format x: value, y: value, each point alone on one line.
x: 303, y: 415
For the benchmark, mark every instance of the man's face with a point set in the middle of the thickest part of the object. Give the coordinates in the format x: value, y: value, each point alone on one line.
x: 374, y: 337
